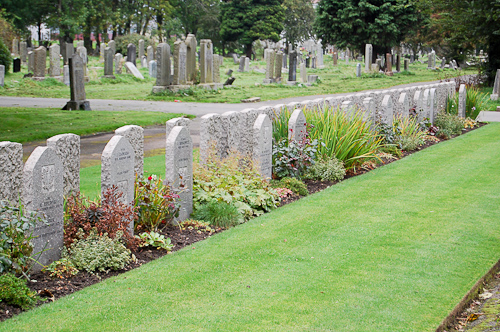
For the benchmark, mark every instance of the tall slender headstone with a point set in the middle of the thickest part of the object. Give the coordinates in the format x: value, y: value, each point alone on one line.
x: 206, y: 61
x: 335, y: 58
x: 278, y: 63
x: 55, y: 61
x: 2, y: 75
x: 102, y: 46
x: 118, y: 63
x: 82, y: 51
x: 141, y: 50
x: 387, y: 109
x: 179, y: 168
x: 191, y: 44
x: 269, y: 55
x: 241, y: 68
x: 152, y: 69
x: 24, y: 51
x: 297, y: 126
x: 358, y: 70
x: 66, y: 75
x: 217, y: 64
x: 388, y: 64
x: 247, y: 64
x: 40, y: 63
x: 135, y: 136
x: 11, y: 171
x: 70, y: 50
x: 67, y: 148
x: 15, y: 46
x: 163, y: 77
x: 77, y: 85
x: 398, y: 62
x: 262, y: 152
x: 131, y: 54
x: 462, y: 101
x: 303, y: 72
x: 150, y: 54
x: 108, y: 63
x: 180, y: 62
x: 292, y: 71
x: 496, y: 87
x: 368, y: 57
x: 406, y: 64
x: 112, y: 46
x: 404, y: 105
x: 43, y: 192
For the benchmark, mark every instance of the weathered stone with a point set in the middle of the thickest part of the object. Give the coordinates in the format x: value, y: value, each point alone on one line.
x: 69, y: 52
x: 80, y: 43
x: 358, y: 70
x: 24, y: 51
x: 231, y: 133
x: 388, y: 63
x: 387, y: 109
x: 278, y: 63
x: 262, y: 149
x: 133, y: 70
x: 77, y: 85
x: 297, y: 126
x: 496, y: 87
x: 112, y: 46
x: 55, y: 61
x: 11, y: 171
x: 141, y: 50
x: 369, y: 108
x: 118, y: 63
x: 206, y: 61
x: 131, y: 54
x: 2, y: 75
x: 210, y: 137
x: 303, y: 73
x: 406, y: 64
x: 292, y: 71
x: 335, y: 58
x: 216, y: 69
x: 152, y: 69
x: 15, y: 46
x: 241, y: 68
x: 398, y: 62
x: 150, y: 54
x: 135, y: 136
x: 432, y: 104
x: 368, y: 57
x: 117, y: 169
x: 67, y: 148
x: 180, y: 63
x: 312, y: 79
x: 31, y: 61
x: 462, y: 101
x: 108, y: 63
x: 191, y: 44
x: 163, y: 77
x: 175, y: 122
x: 404, y: 105
x: 235, y: 58
x: 66, y: 80
x: 418, y: 105
x: 269, y: 54
x: 43, y: 192
x: 247, y: 64
x: 40, y: 62
x: 82, y: 51
x: 179, y: 168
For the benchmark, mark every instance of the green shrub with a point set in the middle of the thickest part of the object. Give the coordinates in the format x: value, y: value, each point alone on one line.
x: 292, y: 158
x: 15, y: 292
x: 218, y: 214
x: 154, y: 239
x: 476, y: 101
x: 294, y: 184
x: 448, y: 125
x: 408, y: 133
x: 97, y: 253
x: 16, y: 233
x: 123, y: 41
x: 326, y: 169
x: 61, y: 269
x: 5, y: 57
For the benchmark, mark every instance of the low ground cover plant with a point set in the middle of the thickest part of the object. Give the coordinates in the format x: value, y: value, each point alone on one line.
x: 448, y: 125
x: 219, y: 214
x: 326, y: 169
x: 293, y: 184
x: 13, y: 290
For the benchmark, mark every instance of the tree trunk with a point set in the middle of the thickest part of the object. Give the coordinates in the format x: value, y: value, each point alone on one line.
x: 493, y: 59
x: 39, y: 33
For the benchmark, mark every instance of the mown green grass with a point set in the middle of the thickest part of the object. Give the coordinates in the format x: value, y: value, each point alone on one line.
x: 21, y: 124
x: 334, y: 79
x: 392, y: 250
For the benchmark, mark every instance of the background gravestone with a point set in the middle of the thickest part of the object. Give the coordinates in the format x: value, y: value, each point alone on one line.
x: 118, y: 63
x: 2, y: 75
x: 70, y: 50
x: 303, y: 72
x: 216, y: 67
x: 292, y: 71
x: 191, y: 44
x: 43, y: 192
x: 67, y: 148
x: 108, y: 63
x: 11, y: 171
x: 40, y: 63
x: 24, y: 51
x: 241, y: 68
x: 368, y: 57
x: 387, y: 109
x: 206, y: 61
x: 297, y: 126
x: 179, y: 168
x: 77, y: 85
x: 66, y: 75
x: 141, y: 50
x: 82, y: 51
x: 131, y: 54
x: 231, y: 138
x: 152, y: 69
x: 55, y: 61
x: 150, y: 54
x: 358, y: 70
x: 262, y: 152
x: 180, y: 61
x: 163, y: 78
x: 404, y: 105
x: 170, y: 124
x: 16, y: 65
x: 135, y: 136
x: 31, y: 61
x: 496, y: 87
x: 210, y: 136
x: 112, y: 46
x: 278, y: 63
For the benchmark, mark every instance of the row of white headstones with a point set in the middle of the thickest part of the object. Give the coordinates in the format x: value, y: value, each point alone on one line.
x: 53, y: 171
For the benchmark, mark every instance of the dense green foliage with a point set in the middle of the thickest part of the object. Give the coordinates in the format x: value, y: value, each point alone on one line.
x: 326, y: 169
x: 15, y: 292
x: 5, y: 57
x: 475, y: 102
x: 299, y: 19
x: 219, y: 214
x: 294, y: 184
x: 123, y: 41
x: 448, y: 124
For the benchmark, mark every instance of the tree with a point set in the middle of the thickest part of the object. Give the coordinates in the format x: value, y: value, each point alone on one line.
x: 299, y: 19
x: 249, y: 20
x: 354, y: 23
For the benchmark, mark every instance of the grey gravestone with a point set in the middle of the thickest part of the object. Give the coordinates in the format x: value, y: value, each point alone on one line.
x: 152, y: 69
x: 131, y: 54
x: 285, y: 60
x: 191, y: 44
x: 335, y: 58
x: 432, y: 104
x: 368, y: 57
x: 118, y: 63
x: 40, y: 63
x: 241, y: 68
x: 180, y: 62
x: 297, y: 126
x: 216, y: 71
x: 141, y: 50
x: 231, y: 138
x: 292, y: 72
x: 404, y: 105
x: 31, y: 61
x: 229, y: 72
x: 133, y: 70
x: 496, y: 87
x: 66, y: 75
x: 462, y: 101
x: 112, y: 46
x: 67, y: 148
x: 163, y: 66
x: 210, y: 136
x: 82, y: 51
x: 108, y: 63
x: 277, y: 66
x: 170, y: 124
x: 80, y: 43
x: 2, y: 75
x: 55, y: 61
x: 118, y: 169
x: 11, y: 171
x: 303, y: 72
x: 15, y: 46
x: 312, y: 78
x: 135, y: 136
x: 247, y: 64
x: 150, y: 54
x: 144, y: 62
x: 406, y: 64
x: 269, y: 54
x: 387, y: 109
x: 77, y: 86
x: 262, y: 152
x: 388, y: 62
x: 24, y: 51
x: 43, y: 192
x: 358, y: 70
x: 443, y: 63
x: 179, y: 168
x: 206, y: 64
x: 398, y: 62
x: 369, y: 108
x: 418, y: 104
x: 102, y: 46
x: 70, y: 50
x: 426, y: 102
x: 235, y: 59
x: 429, y: 62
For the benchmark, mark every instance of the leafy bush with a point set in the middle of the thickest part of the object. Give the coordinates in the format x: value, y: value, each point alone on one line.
x: 154, y: 203
x: 94, y: 252
x: 155, y: 239
x: 294, y: 184
x: 16, y: 233
x: 326, y: 169
x: 123, y: 41
x: 5, y: 57
x: 109, y: 215
x: 219, y: 214
x: 233, y: 182
x: 408, y: 132
x: 448, y: 125
x: 61, y: 269
x: 15, y: 292
x: 346, y: 136
x: 291, y: 159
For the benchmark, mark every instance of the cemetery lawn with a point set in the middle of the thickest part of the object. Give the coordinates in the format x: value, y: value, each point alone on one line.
x: 30, y: 124
x: 391, y: 250
x: 339, y: 79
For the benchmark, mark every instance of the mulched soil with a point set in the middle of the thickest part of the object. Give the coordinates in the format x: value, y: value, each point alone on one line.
x: 51, y: 289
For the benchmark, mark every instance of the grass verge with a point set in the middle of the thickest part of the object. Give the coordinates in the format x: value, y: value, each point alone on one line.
x: 29, y: 124
x: 392, y: 250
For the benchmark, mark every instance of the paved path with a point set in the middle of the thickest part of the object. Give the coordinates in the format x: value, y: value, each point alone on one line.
x: 154, y: 137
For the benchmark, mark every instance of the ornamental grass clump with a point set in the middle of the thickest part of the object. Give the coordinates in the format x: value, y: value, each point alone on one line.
x: 475, y: 102
x: 408, y: 133
x: 219, y: 214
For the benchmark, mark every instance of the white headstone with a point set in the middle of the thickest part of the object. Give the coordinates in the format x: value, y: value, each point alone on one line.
x: 170, y: 124
x: 262, y: 154
x: 133, y: 70
x: 11, y: 171
x: 462, y: 101
x: 135, y: 136
x: 368, y: 57
x: 152, y: 68
x: 297, y: 126
x: 404, y: 105
x: 387, y: 109
x: 67, y: 148
x: 496, y: 87
x: 210, y: 136
x: 2, y: 75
